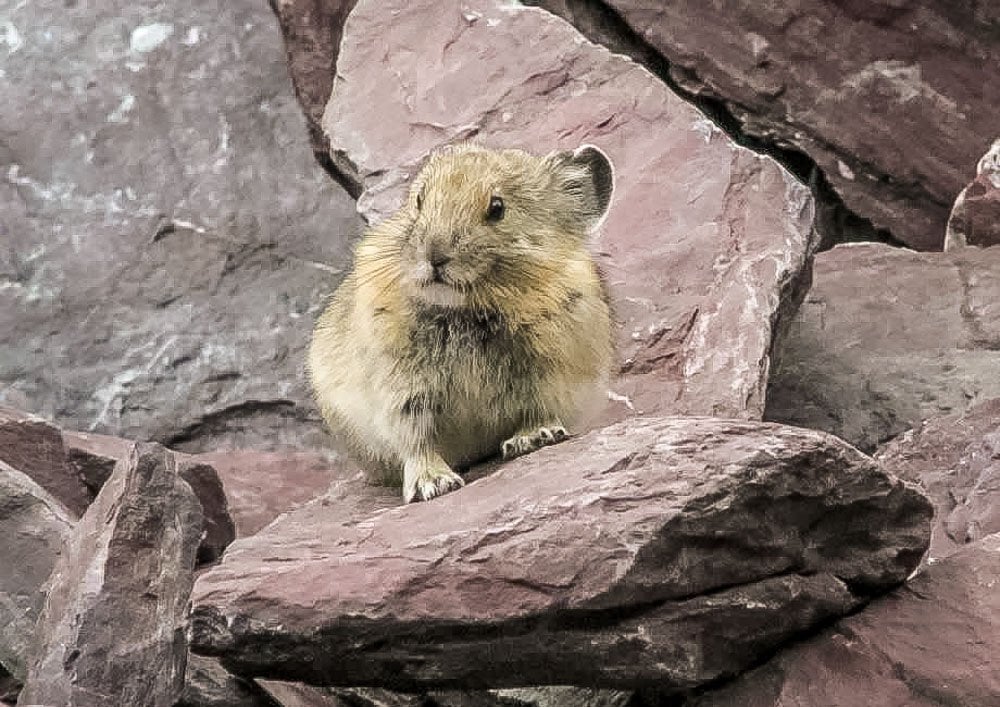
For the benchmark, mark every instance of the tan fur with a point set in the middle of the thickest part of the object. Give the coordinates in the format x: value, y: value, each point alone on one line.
x: 421, y: 377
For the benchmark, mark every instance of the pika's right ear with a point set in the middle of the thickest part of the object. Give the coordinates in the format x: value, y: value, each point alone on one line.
x: 588, y: 175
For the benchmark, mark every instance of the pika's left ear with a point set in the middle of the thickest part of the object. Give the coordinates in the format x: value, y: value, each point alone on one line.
x: 587, y: 174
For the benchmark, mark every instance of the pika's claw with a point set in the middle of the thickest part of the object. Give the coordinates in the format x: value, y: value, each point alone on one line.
x: 423, y: 479
x: 530, y: 440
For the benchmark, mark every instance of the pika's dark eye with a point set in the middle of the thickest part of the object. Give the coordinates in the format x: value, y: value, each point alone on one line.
x: 496, y: 209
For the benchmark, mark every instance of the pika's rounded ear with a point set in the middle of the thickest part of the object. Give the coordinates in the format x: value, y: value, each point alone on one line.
x: 587, y: 174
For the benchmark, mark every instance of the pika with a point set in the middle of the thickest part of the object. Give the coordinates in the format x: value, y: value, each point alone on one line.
x: 475, y: 321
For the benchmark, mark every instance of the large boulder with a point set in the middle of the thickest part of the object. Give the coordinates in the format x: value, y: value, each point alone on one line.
x: 893, y: 101
x: 956, y: 460
x: 657, y: 551
x: 167, y: 235
x: 933, y: 642
x: 887, y: 338
x: 34, y: 527
x: 707, y: 246
x: 112, y: 630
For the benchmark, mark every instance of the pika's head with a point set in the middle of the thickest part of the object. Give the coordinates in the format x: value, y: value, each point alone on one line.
x: 478, y: 221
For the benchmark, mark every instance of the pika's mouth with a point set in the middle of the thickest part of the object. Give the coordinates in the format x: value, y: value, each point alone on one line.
x: 432, y: 286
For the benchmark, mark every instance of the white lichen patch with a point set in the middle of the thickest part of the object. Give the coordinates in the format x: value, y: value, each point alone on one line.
x: 146, y: 38
x: 10, y: 36
x: 120, y: 114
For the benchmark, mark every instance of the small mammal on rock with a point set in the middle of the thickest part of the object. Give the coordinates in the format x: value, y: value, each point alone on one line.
x: 475, y: 320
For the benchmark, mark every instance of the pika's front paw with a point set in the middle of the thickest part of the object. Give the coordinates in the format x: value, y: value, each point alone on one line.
x: 529, y: 441
x: 423, y: 479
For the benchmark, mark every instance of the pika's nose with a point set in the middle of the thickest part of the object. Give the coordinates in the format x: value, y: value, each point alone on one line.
x: 437, y: 260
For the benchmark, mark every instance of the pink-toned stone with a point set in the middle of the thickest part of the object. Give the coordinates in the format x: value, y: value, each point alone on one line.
x: 892, y: 100
x: 887, y: 338
x: 956, y: 460
x: 35, y: 447
x: 112, y: 630
x: 707, y: 245
x: 932, y: 642
x: 975, y: 217
x: 666, y: 551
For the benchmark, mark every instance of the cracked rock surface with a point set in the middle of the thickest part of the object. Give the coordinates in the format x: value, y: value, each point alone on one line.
x: 112, y: 627
x: 931, y: 643
x: 887, y: 338
x: 856, y: 86
x: 165, y: 234
x: 662, y: 551
x: 707, y: 246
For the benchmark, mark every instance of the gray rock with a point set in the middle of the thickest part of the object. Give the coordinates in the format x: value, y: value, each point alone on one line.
x: 208, y: 684
x: 892, y: 100
x: 112, y: 630
x: 34, y: 527
x: 669, y: 551
x: 888, y: 338
x: 707, y: 245
x: 166, y: 233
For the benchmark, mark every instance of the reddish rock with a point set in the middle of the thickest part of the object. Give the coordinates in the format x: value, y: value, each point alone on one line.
x: 933, y: 642
x: 707, y: 245
x: 956, y: 460
x: 887, y: 338
x: 112, y: 630
x: 892, y: 100
x: 34, y: 527
x: 35, y: 447
x: 656, y: 551
x: 312, y: 30
x: 975, y: 217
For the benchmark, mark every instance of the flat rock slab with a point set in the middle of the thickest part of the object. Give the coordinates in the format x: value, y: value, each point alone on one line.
x: 34, y: 527
x: 167, y: 234
x: 888, y: 338
x: 112, y: 630
x: 933, y: 642
x: 656, y: 551
x: 707, y: 245
x: 895, y: 101
x: 956, y: 461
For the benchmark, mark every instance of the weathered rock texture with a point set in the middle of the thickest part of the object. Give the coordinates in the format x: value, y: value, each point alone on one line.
x: 707, y: 245
x: 931, y: 643
x: 956, y: 460
x: 208, y: 684
x: 666, y: 551
x: 975, y: 217
x: 167, y: 235
x: 33, y: 528
x: 35, y: 447
x: 887, y: 338
x: 312, y: 30
x: 112, y: 630
x: 892, y: 100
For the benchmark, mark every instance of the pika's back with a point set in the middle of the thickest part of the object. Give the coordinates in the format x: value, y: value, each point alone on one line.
x: 475, y: 312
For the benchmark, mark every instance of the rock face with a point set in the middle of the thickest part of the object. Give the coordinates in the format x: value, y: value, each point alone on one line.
x: 887, y: 338
x: 657, y: 551
x: 33, y: 527
x: 112, y: 628
x: 956, y: 460
x: 166, y: 233
x: 707, y: 245
x: 856, y: 86
x: 933, y: 642
x: 975, y: 217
